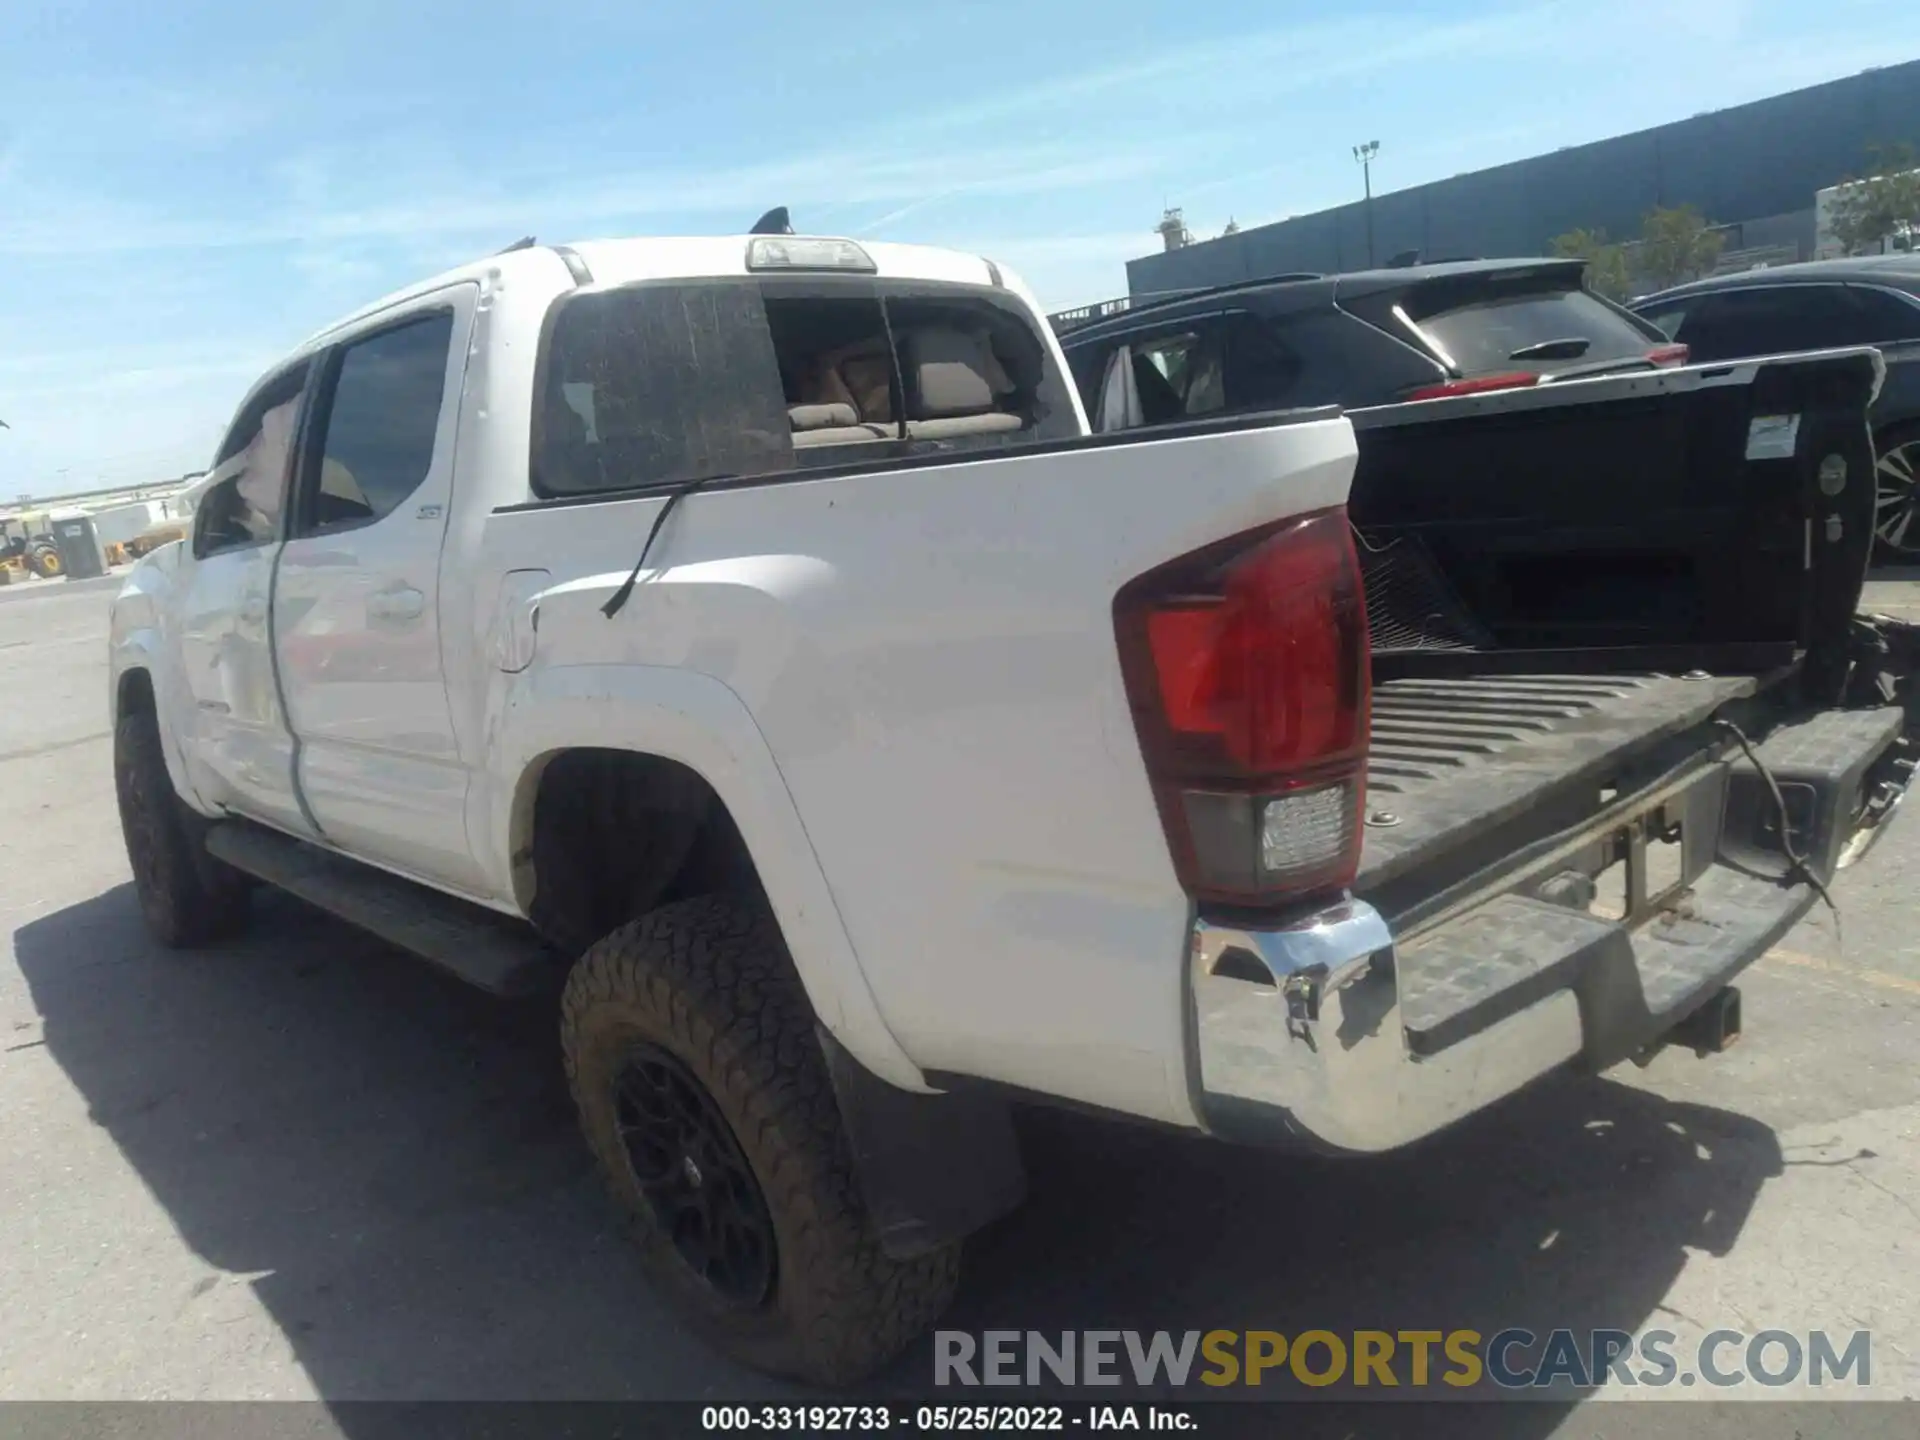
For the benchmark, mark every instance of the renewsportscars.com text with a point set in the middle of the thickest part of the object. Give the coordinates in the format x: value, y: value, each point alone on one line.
x: 1513, y: 1359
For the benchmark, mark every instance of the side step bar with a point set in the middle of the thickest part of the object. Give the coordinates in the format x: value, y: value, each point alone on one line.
x: 482, y: 948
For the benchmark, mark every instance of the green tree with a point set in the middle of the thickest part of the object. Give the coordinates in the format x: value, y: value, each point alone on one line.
x: 1606, y: 261
x: 1885, y: 205
x: 1676, y: 245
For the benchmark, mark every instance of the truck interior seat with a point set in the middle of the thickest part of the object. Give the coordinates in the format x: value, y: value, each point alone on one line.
x: 859, y: 376
x: 842, y: 435
x: 951, y: 391
x: 821, y: 417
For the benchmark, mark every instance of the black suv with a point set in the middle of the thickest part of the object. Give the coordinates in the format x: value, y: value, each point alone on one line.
x: 1823, y: 305
x: 1377, y: 337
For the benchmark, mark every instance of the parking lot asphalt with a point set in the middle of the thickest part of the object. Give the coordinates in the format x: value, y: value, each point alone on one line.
x: 303, y: 1166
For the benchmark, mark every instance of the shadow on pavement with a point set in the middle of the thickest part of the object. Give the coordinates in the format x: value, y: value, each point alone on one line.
x: 391, y: 1160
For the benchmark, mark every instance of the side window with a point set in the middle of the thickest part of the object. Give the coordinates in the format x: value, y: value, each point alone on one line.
x: 381, y: 420
x: 1886, y: 318
x: 1263, y: 372
x: 1772, y: 320
x: 1178, y: 377
x: 1227, y: 364
x: 1089, y: 367
x: 241, y: 505
x: 1119, y: 407
x: 1669, y: 320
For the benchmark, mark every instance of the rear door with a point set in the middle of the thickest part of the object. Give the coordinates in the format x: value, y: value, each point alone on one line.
x: 356, y: 599
x: 241, y: 753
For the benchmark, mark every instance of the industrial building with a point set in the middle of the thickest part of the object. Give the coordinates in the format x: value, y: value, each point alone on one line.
x: 1753, y: 169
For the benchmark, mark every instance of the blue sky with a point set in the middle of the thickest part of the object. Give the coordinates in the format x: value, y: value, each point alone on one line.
x: 187, y: 190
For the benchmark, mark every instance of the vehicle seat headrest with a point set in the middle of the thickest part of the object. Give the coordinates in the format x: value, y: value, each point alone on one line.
x: 948, y: 373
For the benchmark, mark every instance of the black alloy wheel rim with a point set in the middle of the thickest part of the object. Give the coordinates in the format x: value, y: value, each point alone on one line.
x: 694, y: 1177
x: 1897, y: 497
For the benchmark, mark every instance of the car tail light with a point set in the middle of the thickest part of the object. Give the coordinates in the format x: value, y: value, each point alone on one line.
x: 1668, y: 354
x: 1246, y: 665
x: 1517, y: 380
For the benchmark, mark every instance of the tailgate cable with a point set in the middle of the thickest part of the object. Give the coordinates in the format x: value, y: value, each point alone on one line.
x: 1798, y: 861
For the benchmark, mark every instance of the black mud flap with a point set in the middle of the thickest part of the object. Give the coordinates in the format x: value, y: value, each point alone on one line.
x: 933, y: 1168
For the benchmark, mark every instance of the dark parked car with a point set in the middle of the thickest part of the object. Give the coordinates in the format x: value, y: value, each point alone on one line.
x: 1818, y: 306
x: 1377, y: 337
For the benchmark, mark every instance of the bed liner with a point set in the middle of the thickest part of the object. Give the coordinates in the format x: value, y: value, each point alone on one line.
x: 1451, y: 756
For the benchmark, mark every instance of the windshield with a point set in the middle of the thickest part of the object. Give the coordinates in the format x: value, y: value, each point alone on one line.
x: 1487, y: 327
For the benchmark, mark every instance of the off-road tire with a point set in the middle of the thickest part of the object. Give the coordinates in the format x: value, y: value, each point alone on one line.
x: 187, y: 897
x: 709, y: 981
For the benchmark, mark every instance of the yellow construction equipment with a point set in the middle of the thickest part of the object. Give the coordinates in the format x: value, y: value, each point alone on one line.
x: 28, y: 538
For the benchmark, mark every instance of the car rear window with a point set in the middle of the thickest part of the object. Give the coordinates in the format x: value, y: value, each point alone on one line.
x: 663, y: 383
x: 1484, y: 325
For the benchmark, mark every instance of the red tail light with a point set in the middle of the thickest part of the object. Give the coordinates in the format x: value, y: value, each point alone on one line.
x: 1518, y: 380
x: 1247, y: 668
x: 1668, y: 354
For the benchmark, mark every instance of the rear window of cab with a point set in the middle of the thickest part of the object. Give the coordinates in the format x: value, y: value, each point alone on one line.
x: 666, y: 383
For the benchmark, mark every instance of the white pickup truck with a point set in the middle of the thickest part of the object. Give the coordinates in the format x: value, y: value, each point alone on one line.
x: 937, y: 753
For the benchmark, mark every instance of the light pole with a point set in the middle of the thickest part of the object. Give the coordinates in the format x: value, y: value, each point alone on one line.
x: 1363, y: 154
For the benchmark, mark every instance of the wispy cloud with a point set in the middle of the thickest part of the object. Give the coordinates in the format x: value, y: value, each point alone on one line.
x: 84, y: 224
x: 1197, y: 76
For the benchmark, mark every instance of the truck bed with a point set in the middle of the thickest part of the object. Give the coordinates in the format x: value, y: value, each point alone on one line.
x: 1565, y: 585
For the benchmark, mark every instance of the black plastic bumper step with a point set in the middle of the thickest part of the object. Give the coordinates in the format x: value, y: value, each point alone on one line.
x: 1820, y: 764
x: 1492, y: 962
x: 1632, y: 984
x: 480, y: 947
x: 1635, y: 981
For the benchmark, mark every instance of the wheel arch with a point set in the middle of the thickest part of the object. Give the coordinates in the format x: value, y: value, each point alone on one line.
x: 682, y: 723
x: 136, y: 689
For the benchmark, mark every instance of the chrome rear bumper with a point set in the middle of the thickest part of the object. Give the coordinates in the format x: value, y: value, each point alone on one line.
x: 1335, y: 1032
x: 1314, y: 1053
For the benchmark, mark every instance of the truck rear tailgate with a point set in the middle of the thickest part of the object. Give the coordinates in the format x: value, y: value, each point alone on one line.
x: 1452, y: 757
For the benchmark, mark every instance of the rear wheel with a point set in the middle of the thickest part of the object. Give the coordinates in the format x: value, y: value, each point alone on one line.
x: 703, y: 1093
x: 45, y: 562
x: 187, y: 897
x: 1896, y: 509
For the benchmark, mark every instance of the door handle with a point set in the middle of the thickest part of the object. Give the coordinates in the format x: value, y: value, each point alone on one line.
x: 253, y: 609
x: 402, y: 603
